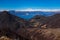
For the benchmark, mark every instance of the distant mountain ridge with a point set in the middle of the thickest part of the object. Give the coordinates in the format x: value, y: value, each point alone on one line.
x: 28, y: 15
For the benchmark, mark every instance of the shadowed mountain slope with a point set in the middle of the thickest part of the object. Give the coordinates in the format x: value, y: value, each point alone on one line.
x: 49, y: 22
x: 54, y: 21
x: 10, y: 23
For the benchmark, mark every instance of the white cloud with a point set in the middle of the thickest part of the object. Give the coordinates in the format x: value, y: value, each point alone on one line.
x: 30, y: 9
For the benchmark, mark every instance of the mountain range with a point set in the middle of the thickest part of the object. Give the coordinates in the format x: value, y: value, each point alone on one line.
x: 29, y: 14
x: 33, y: 18
x: 12, y: 23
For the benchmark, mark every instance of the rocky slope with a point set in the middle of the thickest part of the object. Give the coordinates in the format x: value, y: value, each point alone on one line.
x: 38, y: 21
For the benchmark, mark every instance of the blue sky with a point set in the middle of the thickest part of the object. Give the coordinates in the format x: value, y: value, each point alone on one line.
x: 24, y: 4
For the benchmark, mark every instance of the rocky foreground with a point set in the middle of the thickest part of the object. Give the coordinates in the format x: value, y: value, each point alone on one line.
x: 37, y: 28
x: 35, y: 34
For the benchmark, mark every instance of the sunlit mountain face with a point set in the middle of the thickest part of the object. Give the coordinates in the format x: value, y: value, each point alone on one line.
x: 29, y: 14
